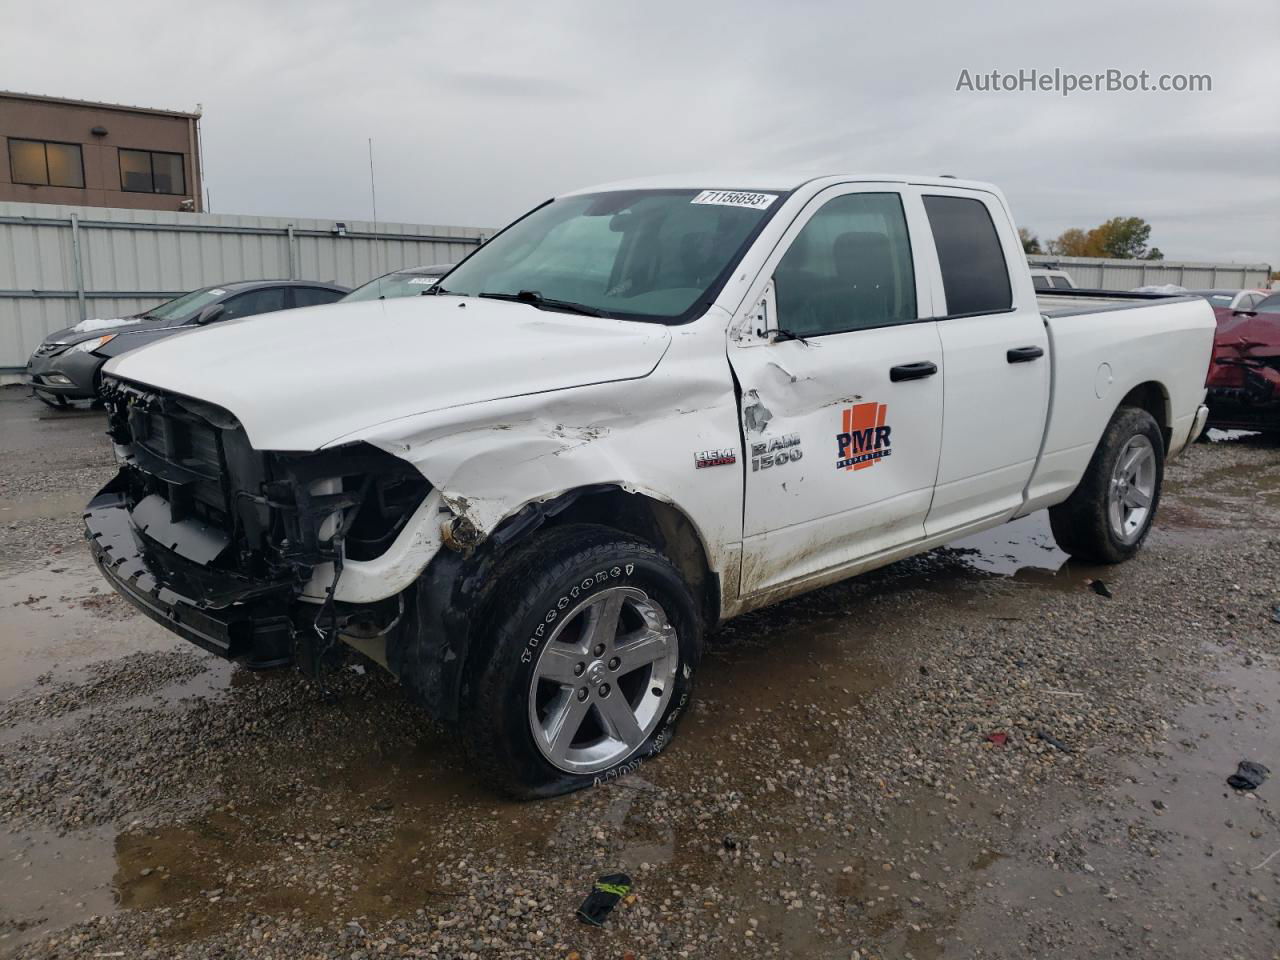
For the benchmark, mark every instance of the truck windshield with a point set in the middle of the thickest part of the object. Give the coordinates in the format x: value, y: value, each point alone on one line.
x: 657, y: 255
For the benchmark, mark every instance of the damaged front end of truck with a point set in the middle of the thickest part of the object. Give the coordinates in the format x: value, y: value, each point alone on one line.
x: 217, y: 540
x: 1244, y: 374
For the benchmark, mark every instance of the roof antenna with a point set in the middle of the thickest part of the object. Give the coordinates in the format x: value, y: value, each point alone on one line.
x: 946, y: 176
x: 373, y: 199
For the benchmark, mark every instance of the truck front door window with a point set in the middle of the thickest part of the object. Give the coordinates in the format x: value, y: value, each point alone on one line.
x: 848, y: 269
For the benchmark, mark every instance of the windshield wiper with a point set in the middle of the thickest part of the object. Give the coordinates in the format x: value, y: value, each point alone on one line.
x: 782, y: 333
x: 535, y: 299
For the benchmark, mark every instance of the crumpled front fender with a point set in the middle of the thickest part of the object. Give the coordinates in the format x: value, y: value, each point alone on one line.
x: 488, y: 461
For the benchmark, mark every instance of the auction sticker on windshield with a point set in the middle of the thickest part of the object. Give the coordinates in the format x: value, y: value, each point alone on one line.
x: 735, y: 198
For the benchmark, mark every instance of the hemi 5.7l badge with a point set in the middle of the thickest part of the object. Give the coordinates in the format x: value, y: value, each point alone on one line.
x: 864, y: 441
x: 715, y: 458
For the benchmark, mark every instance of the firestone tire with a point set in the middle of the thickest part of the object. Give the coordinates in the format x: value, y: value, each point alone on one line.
x: 552, y: 682
x: 1110, y: 513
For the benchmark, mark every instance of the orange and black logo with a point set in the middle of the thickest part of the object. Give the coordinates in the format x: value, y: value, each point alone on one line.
x: 864, y: 442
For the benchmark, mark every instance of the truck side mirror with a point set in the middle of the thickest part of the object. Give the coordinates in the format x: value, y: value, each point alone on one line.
x: 211, y: 313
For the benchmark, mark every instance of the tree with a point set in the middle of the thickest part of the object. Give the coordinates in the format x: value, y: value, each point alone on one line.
x: 1120, y: 238
x: 1074, y: 243
x: 1030, y: 242
x: 1124, y: 238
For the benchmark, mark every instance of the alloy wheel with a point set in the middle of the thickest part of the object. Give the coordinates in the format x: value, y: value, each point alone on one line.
x: 1132, y: 489
x: 603, y: 680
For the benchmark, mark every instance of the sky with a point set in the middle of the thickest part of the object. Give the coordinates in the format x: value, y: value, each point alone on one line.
x: 480, y: 110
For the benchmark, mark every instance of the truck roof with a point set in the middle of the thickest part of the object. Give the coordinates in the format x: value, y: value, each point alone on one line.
x: 776, y: 180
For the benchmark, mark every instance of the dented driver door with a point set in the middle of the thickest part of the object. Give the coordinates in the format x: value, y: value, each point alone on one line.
x: 843, y: 428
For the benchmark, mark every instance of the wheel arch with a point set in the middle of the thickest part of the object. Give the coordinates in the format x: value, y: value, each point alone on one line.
x: 436, y: 640
x: 1153, y: 397
x: 660, y: 523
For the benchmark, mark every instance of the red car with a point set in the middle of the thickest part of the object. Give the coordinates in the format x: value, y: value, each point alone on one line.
x: 1244, y: 375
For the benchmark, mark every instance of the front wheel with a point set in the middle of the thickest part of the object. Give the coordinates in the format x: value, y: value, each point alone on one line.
x: 1110, y: 513
x: 584, y: 662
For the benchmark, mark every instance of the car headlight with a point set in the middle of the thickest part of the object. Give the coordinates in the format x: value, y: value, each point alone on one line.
x: 88, y: 346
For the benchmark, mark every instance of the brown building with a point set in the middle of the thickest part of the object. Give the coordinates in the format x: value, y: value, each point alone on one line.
x: 98, y: 154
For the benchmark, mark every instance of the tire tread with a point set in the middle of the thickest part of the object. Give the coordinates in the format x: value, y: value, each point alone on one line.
x: 519, y: 581
x: 1080, y: 523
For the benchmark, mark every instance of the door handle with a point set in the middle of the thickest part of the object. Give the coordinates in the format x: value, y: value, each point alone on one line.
x: 1024, y: 354
x: 912, y: 371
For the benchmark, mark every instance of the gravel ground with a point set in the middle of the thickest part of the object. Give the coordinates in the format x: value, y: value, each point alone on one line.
x: 973, y: 754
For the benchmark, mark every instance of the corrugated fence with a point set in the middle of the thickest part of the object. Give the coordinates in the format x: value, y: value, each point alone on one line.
x: 60, y: 264
x: 1099, y: 274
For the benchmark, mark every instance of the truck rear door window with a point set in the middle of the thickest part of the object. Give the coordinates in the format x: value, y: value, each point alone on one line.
x: 849, y: 268
x: 975, y: 276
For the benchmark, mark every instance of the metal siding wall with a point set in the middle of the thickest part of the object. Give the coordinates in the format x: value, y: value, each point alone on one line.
x: 203, y: 249
x: 1126, y: 274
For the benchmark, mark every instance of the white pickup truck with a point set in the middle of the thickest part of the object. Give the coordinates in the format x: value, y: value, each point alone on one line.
x: 638, y: 411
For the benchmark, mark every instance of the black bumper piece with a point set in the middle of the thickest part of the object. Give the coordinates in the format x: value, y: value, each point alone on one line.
x: 219, y: 611
x: 1255, y: 406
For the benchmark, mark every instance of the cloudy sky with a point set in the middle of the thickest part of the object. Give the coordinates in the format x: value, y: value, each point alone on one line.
x: 478, y: 110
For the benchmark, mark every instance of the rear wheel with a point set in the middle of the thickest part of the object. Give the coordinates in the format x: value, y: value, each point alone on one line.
x: 585, y: 662
x: 1110, y: 513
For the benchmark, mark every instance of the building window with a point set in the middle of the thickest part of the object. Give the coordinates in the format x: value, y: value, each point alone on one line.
x: 46, y: 164
x: 148, y: 171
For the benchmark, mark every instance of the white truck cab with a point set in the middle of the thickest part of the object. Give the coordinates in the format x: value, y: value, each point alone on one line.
x: 638, y: 411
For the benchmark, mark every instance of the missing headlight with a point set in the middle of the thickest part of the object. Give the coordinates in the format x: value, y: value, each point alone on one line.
x: 356, y: 498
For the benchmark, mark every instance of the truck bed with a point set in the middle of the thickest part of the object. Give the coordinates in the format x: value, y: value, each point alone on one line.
x: 1064, y: 303
x: 1103, y: 338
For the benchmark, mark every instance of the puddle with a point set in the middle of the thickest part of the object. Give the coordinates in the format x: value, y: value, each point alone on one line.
x: 828, y: 646
x: 1206, y: 741
x: 1166, y: 855
x: 52, y: 881
x: 53, y: 506
x: 352, y: 837
x: 1232, y: 484
x: 62, y: 618
x: 1024, y: 544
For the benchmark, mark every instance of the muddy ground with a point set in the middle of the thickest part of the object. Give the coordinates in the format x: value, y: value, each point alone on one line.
x: 836, y: 791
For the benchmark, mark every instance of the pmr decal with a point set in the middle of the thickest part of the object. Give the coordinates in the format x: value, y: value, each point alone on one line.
x: 864, y: 442
x: 714, y: 458
x: 775, y: 451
